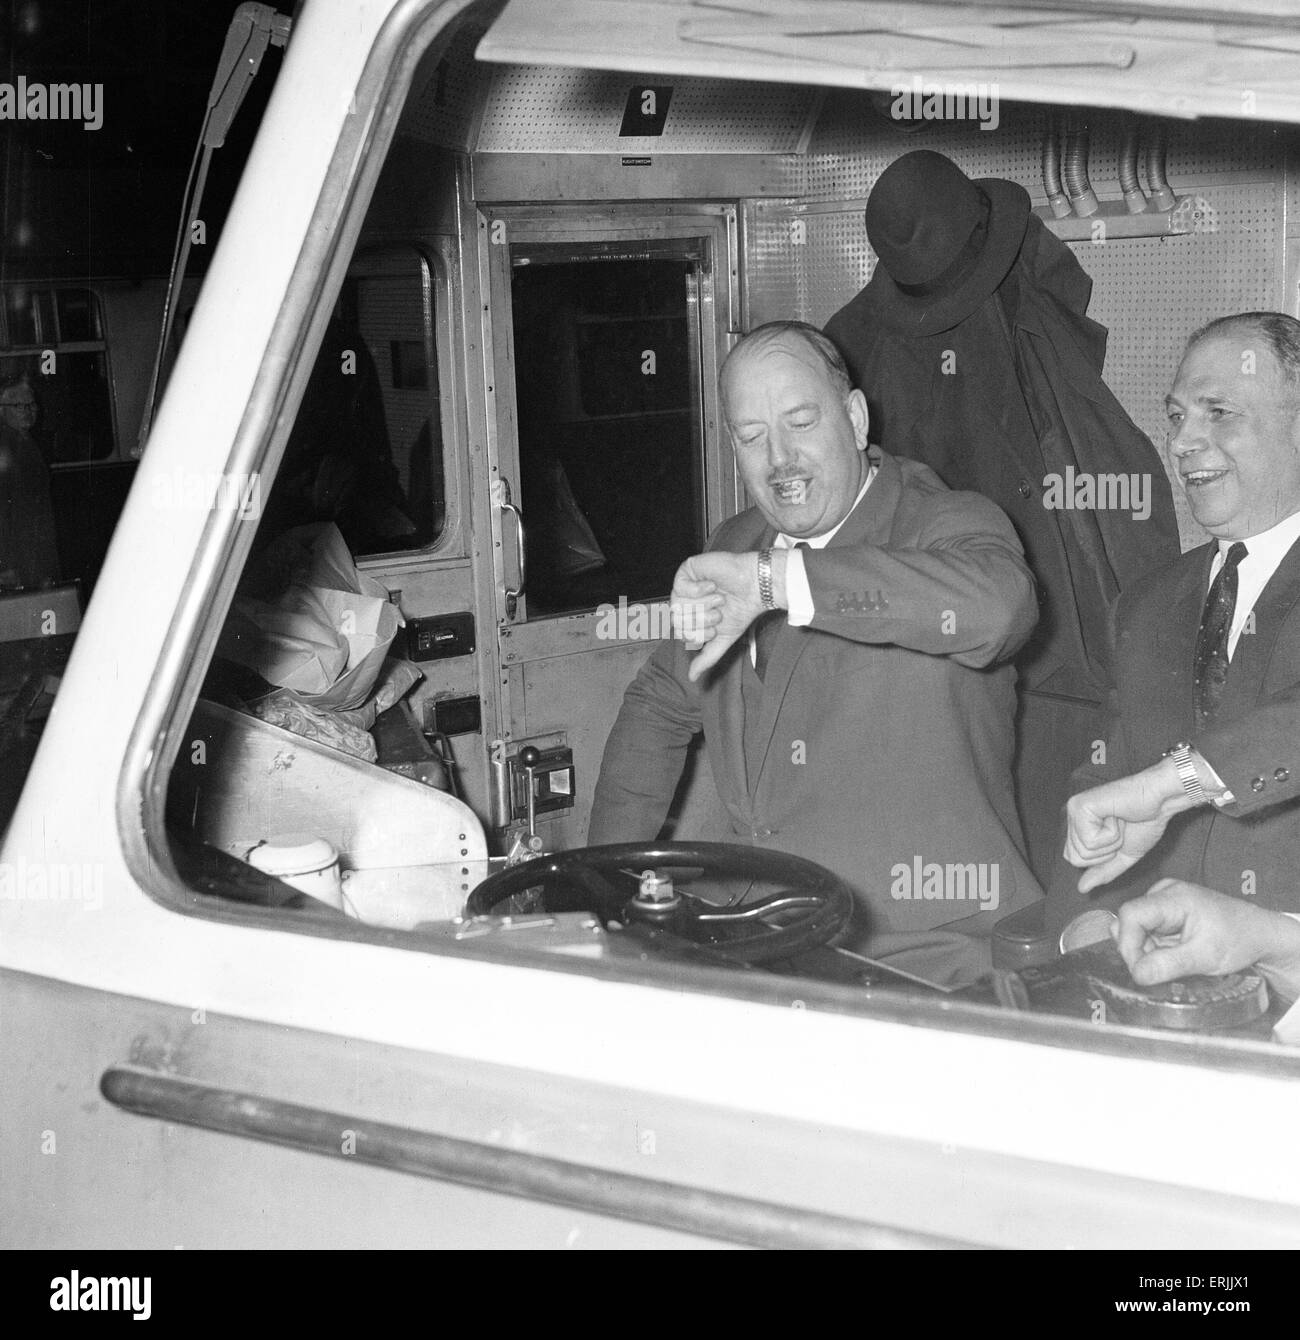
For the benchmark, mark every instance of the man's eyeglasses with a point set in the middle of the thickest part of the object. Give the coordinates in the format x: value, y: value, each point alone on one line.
x: 17, y: 404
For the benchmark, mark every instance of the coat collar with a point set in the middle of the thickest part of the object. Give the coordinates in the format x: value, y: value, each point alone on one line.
x: 869, y: 522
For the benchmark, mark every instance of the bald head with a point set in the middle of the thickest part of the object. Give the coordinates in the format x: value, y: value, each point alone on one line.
x: 1273, y: 333
x: 797, y: 426
x: 820, y: 349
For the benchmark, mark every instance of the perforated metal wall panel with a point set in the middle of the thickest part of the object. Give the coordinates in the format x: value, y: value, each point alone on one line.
x: 840, y: 259
x: 805, y: 261
x: 443, y: 100
x: 546, y: 109
x: 774, y: 269
x: 855, y: 140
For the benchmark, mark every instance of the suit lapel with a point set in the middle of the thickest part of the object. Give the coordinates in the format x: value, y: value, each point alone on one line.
x: 868, y: 523
x: 1176, y: 639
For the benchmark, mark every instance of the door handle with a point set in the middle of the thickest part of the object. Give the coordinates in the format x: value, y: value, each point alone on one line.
x: 510, y: 1172
x: 510, y: 594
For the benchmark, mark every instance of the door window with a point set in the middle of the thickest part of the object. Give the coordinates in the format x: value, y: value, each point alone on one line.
x: 607, y: 378
x: 366, y: 450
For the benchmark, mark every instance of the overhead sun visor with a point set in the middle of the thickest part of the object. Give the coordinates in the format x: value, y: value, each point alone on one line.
x: 1232, y: 58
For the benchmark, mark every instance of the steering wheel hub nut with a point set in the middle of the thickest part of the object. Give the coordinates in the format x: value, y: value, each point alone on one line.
x: 656, y: 893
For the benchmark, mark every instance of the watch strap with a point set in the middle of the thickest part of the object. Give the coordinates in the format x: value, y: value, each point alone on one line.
x: 765, y: 592
x: 1181, y: 753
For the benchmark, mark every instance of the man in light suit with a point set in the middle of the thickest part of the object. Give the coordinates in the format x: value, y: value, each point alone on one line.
x: 1198, y: 778
x: 855, y: 695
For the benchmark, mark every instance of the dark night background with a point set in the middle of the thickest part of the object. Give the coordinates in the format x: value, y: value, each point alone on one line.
x: 106, y: 202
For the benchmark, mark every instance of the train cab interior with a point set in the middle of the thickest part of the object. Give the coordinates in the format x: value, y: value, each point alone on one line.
x: 504, y: 435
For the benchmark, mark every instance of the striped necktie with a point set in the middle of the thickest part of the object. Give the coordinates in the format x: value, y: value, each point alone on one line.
x: 1211, y: 663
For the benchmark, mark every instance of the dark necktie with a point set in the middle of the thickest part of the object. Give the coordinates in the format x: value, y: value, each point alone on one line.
x: 767, y: 628
x: 1211, y: 664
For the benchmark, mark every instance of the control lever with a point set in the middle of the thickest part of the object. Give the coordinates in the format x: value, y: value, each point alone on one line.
x: 528, y: 844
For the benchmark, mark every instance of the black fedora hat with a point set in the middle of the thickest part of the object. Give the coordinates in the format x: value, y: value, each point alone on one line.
x: 944, y: 242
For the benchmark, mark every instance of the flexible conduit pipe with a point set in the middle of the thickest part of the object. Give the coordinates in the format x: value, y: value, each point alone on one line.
x: 1162, y: 195
x: 1134, y: 196
x: 1075, y: 169
x: 1056, y: 197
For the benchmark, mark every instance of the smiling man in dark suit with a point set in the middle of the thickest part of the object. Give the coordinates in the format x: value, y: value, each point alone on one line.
x: 854, y: 692
x: 1199, y: 777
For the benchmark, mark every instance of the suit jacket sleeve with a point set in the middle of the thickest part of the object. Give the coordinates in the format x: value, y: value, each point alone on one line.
x: 1258, y: 755
x: 646, y: 750
x: 961, y: 589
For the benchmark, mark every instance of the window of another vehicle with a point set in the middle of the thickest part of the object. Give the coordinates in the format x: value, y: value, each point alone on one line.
x: 53, y: 336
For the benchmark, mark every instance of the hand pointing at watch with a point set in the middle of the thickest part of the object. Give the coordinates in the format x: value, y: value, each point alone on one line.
x: 716, y: 596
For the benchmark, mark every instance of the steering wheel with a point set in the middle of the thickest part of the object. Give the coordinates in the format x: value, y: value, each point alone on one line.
x: 631, y: 883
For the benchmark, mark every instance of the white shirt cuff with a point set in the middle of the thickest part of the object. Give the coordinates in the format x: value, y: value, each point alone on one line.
x: 798, y: 596
x: 1218, y: 793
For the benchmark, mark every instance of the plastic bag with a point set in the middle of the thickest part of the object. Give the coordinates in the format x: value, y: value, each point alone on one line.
x: 327, y: 631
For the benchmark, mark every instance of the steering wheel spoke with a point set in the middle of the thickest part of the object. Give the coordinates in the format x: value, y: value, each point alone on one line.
x: 761, y: 909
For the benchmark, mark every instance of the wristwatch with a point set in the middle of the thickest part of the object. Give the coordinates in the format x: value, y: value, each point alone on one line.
x: 765, y: 579
x: 1181, y: 753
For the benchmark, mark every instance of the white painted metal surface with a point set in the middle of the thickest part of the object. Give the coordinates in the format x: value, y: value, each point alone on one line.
x: 1074, y: 53
x: 1166, y: 1120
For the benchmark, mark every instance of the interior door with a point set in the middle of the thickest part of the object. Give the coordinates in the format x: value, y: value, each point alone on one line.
x: 610, y: 469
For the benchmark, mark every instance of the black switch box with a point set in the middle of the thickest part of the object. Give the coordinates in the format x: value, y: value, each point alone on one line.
x: 454, y: 716
x: 439, y: 636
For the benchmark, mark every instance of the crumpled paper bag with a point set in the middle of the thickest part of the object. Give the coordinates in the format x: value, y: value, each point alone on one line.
x: 325, y: 634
